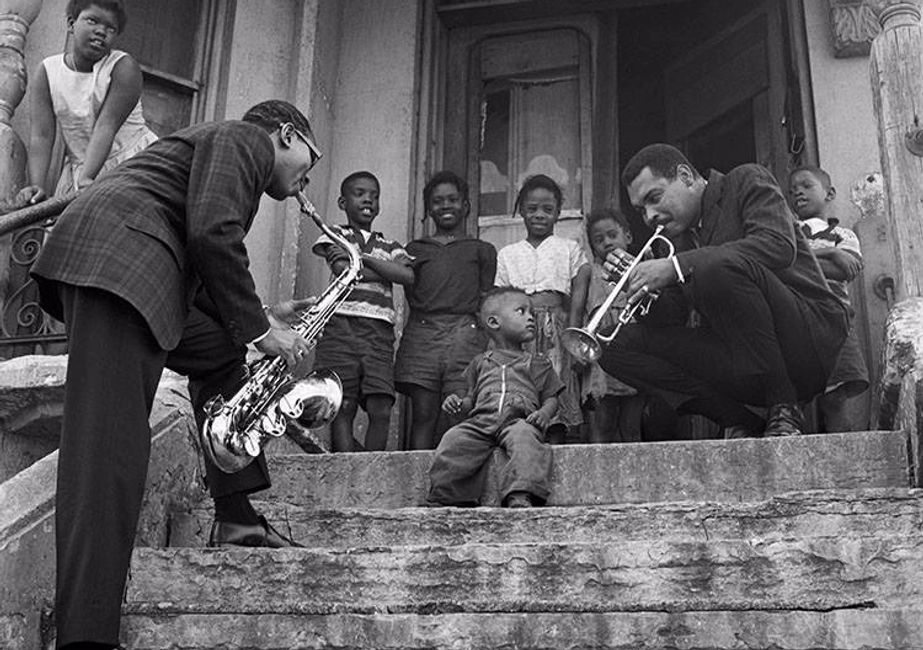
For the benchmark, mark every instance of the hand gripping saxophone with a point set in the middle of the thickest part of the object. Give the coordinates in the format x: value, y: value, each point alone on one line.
x: 236, y: 429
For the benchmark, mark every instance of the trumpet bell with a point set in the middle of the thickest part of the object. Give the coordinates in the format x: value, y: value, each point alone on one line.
x: 581, y: 344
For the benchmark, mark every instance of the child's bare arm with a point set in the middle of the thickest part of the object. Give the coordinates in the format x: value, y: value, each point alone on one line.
x: 838, y: 264
x: 399, y: 271
x: 337, y: 258
x: 579, y: 286
x: 541, y: 417
x: 122, y: 96
x: 41, y: 139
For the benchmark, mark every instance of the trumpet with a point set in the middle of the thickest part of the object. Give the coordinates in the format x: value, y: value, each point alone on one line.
x: 585, y: 344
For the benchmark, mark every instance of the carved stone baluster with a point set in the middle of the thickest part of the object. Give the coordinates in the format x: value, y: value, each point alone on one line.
x: 896, y: 66
x: 15, y: 18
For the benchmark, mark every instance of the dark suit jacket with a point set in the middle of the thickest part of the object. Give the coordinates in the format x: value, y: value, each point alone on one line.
x: 169, y: 224
x: 745, y: 212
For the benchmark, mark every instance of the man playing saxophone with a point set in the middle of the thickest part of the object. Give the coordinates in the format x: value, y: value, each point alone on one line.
x: 769, y: 327
x: 147, y: 268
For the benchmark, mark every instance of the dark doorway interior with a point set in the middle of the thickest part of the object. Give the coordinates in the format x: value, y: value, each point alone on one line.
x: 708, y: 76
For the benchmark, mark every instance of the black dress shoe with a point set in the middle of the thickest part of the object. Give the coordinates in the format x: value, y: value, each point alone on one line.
x: 226, y: 533
x: 784, y: 420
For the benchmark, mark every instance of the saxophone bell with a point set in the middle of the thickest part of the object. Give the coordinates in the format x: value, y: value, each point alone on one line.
x: 315, y: 400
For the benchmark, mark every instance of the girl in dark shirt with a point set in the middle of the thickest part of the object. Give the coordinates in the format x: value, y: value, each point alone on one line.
x: 452, y: 270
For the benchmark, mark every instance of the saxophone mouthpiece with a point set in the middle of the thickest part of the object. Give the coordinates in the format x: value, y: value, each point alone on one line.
x: 306, y: 206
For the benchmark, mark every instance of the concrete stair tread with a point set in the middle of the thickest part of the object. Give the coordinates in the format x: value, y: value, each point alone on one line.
x: 714, y: 470
x: 817, y: 574
x: 820, y: 513
x: 850, y: 629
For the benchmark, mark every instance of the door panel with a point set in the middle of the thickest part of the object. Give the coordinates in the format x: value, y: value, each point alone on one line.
x: 528, y: 113
x: 730, y: 84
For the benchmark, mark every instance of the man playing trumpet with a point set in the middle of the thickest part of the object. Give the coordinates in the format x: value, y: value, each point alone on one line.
x: 769, y: 327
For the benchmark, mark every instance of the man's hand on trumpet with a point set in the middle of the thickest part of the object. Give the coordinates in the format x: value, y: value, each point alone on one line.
x: 649, y: 277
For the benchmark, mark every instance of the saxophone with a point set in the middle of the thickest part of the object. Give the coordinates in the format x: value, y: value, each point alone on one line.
x: 236, y: 429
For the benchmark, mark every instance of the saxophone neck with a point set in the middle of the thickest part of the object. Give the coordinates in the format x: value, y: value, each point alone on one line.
x: 313, y: 320
x: 355, y: 259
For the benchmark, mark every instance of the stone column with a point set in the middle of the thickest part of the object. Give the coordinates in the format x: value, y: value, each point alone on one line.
x: 896, y: 67
x: 15, y: 18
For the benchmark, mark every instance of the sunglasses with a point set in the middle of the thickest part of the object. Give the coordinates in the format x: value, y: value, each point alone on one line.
x: 316, y: 154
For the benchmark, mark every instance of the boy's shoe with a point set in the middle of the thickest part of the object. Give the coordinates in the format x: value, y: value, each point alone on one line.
x: 518, y: 500
x: 784, y: 420
x: 740, y: 431
x: 225, y: 533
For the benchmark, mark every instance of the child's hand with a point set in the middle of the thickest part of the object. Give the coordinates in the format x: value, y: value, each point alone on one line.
x: 368, y: 272
x: 616, y: 263
x: 538, y: 419
x: 82, y: 183
x: 579, y: 365
x: 453, y: 405
x: 848, y: 263
x: 30, y: 195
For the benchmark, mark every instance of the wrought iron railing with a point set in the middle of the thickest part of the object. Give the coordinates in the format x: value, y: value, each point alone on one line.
x: 24, y: 327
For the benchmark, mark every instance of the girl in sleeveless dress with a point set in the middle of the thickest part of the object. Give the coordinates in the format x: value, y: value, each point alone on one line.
x: 92, y: 93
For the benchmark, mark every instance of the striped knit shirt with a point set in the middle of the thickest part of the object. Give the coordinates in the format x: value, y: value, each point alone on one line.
x: 369, y: 298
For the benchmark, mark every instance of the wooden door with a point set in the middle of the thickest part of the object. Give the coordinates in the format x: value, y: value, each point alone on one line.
x: 727, y: 97
x: 519, y: 103
x: 176, y: 42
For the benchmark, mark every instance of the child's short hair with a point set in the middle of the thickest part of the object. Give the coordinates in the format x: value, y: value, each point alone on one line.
x: 539, y: 181
x: 448, y: 177
x: 817, y: 172
x: 602, y: 214
x: 344, y: 186
x: 663, y: 159
x: 492, y: 298
x: 273, y: 113
x: 117, y: 7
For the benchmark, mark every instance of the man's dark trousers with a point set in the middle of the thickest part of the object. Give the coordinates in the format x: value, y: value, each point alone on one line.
x: 756, y: 327
x: 114, y: 366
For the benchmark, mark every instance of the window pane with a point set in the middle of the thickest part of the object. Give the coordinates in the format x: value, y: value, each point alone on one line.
x: 162, y: 34
x: 495, y: 153
x: 549, y: 140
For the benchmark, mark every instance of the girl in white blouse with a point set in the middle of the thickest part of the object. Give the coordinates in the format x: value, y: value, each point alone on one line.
x: 554, y: 272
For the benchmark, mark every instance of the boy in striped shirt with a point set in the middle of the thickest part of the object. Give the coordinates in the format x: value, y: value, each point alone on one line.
x: 358, y: 341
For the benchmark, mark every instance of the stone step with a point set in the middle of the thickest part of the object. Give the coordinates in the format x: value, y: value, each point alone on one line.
x: 704, y: 470
x: 856, y: 513
x: 844, y: 629
x: 813, y: 574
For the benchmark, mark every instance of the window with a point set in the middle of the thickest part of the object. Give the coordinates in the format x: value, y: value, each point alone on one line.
x: 534, y: 118
x: 171, y: 41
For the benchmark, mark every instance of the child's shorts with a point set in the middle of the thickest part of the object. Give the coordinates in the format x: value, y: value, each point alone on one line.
x: 435, y: 350
x: 850, y: 376
x: 361, y: 352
